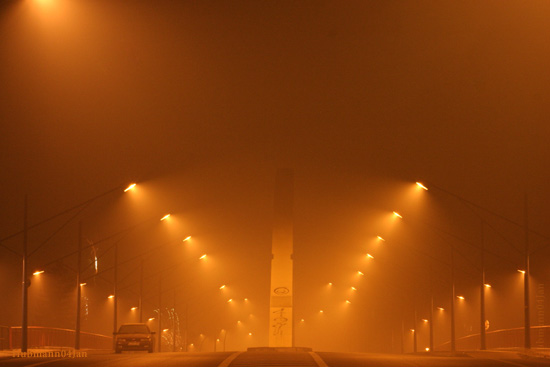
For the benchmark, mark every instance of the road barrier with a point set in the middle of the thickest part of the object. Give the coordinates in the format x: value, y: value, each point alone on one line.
x: 44, y: 337
x: 4, y: 337
x: 506, y: 338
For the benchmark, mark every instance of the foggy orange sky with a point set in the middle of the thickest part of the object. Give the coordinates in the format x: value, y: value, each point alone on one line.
x: 201, y: 102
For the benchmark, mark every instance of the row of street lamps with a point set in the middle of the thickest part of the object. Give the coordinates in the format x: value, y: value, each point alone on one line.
x: 483, y: 286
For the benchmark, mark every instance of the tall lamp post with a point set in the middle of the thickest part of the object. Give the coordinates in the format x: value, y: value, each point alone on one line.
x: 525, y: 227
x: 482, y: 334
x: 78, y: 288
x: 25, y: 283
x: 453, y: 296
x: 527, y: 332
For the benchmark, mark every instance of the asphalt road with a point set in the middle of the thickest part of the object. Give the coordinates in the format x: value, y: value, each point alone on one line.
x: 273, y: 359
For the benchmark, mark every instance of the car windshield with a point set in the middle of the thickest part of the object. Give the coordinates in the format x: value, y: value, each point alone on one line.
x: 133, y: 329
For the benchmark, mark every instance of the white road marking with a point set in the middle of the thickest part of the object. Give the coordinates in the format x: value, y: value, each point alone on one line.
x: 45, y: 362
x: 229, y: 359
x: 318, y: 359
x: 508, y: 362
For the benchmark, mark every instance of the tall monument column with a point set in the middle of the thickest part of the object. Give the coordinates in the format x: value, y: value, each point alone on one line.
x: 281, y: 322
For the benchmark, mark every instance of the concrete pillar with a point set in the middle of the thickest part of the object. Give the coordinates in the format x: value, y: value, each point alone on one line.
x: 281, y: 318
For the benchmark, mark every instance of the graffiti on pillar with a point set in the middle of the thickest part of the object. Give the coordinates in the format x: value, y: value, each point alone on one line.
x: 279, y: 322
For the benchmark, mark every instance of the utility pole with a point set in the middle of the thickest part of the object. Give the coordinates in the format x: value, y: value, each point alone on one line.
x: 78, y: 288
x: 402, y: 334
x: 186, y: 328
x: 141, y: 291
x: 482, y: 335
x: 174, y: 323
x: 431, y: 315
x: 526, y: 279
x: 453, y: 296
x: 159, y: 342
x: 25, y: 282
x: 415, y: 343
x: 115, y: 293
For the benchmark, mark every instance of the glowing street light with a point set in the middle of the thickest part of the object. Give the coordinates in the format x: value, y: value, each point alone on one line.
x: 222, y: 287
x: 370, y: 256
x: 348, y: 302
x: 130, y: 187
x: 460, y: 297
x: 441, y: 309
x: 111, y: 296
x: 329, y: 283
x: 186, y: 238
x: 521, y: 271
x: 165, y: 217
x: 249, y: 334
x: 425, y: 320
x: 230, y: 300
x: 421, y: 186
x: 151, y: 318
x: 165, y: 330
x: 38, y: 272
x: 487, y: 285
x: 397, y: 215
x: 202, y: 257
x: 82, y: 284
x: 360, y: 272
x: 381, y: 239
x: 353, y: 288
x: 133, y: 308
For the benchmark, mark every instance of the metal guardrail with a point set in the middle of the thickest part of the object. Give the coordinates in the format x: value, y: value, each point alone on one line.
x: 42, y: 337
x: 506, y: 338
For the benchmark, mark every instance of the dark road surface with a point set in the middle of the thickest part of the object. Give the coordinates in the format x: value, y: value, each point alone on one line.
x: 274, y: 359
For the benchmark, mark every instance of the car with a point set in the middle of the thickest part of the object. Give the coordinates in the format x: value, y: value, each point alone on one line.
x: 134, y: 337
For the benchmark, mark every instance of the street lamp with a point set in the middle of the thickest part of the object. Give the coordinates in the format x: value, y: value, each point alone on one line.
x: 421, y: 186
x: 526, y: 231
x: 130, y: 187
